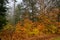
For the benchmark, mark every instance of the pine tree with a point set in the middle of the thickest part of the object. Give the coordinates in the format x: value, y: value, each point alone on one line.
x: 3, y: 10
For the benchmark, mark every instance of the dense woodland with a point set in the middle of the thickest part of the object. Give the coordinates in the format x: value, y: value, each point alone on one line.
x: 30, y: 20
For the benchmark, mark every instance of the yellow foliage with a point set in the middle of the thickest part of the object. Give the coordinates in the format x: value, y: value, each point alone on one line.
x: 8, y: 27
x: 53, y: 28
x: 35, y: 31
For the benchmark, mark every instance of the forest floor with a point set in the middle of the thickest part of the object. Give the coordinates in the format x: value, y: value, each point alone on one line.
x: 37, y: 37
x: 46, y: 37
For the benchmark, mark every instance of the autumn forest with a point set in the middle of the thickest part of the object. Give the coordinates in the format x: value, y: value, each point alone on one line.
x: 30, y: 20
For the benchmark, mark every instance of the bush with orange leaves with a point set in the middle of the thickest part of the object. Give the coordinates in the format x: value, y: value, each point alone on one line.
x: 29, y: 28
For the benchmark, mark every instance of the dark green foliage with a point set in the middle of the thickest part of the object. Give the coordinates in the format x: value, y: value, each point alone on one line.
x: 18, y: 13
x: 58, y: 3
x: 31, y: 5
x: 3, y: 10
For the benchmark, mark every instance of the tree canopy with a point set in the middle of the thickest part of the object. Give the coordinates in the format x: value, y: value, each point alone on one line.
x: 3, y: 10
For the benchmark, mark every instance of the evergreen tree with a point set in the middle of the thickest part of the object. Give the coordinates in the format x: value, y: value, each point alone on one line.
x: 33, y: 8
x: 3, y: 10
